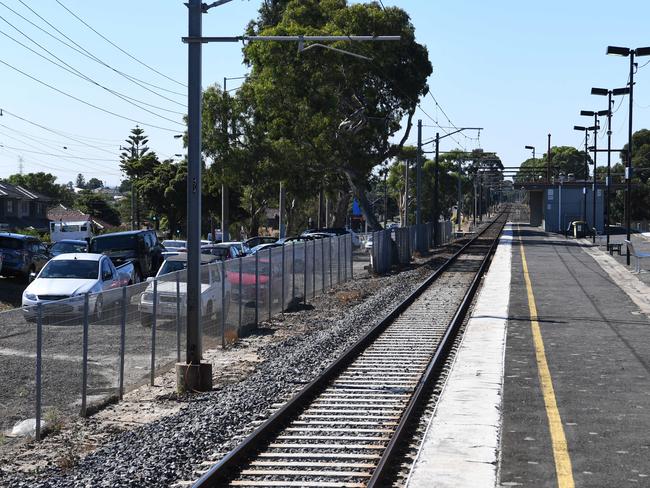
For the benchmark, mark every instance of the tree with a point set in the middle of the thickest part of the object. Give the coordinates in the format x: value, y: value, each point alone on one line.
x: 94, y: 183
x: 640, y: 155
x: 166, y: 192
x: 45, y: 184
x: 565, y: 160
x: 321, y: 113
x: 97, y: 206
x: 81, y: 181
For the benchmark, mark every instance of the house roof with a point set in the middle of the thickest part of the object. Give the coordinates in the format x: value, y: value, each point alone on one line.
x: 61, y: 213
x: 15, y: 191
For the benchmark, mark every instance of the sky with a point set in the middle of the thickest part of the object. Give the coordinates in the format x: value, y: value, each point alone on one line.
x: 520, y: 70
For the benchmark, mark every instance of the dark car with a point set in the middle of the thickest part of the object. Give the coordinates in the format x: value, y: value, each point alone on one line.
x: 140, y: 246
x: 65, y: 246
x: 222, y: 251
x: 22, y: 255
x: 256, y: 241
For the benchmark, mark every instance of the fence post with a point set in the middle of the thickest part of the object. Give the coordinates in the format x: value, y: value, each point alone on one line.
x: 338, y: 260
x: 223, y: 304
x: 178, y: 317
x: 122, y: 342
x: 152, y: 373
x: 84, y: 360
x: 270, y: 282
x: 39, y: 363
x: 313, y: 269
x: 240, y: 292
x: 351, y: 259
x: 257, y: 287
x: 283, y: 277
x: 329, y: 245
x: 293, y: 271
x: 345, y: 258
x: 322, y: 264
x: 304, y: 281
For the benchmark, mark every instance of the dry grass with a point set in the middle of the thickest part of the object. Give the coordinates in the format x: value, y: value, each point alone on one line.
x: 347, y: 297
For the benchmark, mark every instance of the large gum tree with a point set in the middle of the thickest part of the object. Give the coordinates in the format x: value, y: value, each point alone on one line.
x: 328, y: 118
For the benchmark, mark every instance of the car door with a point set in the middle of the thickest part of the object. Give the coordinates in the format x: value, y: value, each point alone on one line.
x: 107, y: 275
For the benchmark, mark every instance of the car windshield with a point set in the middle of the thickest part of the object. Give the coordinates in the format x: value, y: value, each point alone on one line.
x: 113, y: 243
x: 171, y: 266
x: 220, y: 252
x: 174, y: 243
x: 11, y: 243
x: 65, y: 247
x: 71, y: 268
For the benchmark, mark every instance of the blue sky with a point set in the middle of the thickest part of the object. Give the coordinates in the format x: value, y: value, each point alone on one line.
x: 518, y: 69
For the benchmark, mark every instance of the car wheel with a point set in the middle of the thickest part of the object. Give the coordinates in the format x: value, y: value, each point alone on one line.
x: 146, y: 319
x: 99, y: 308
x: 27, y: 275
x: 137, y: 276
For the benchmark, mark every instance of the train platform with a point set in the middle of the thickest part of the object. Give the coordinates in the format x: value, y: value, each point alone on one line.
x: 550, y: 384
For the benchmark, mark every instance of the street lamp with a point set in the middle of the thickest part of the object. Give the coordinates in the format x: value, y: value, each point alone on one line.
x: 595, y: 115
x: 533, y: 149
x: 584, y: 188
x: 624, y: 51
x: 608, y: 179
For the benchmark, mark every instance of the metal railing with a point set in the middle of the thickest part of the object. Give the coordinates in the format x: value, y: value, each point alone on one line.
x: 67, y: 357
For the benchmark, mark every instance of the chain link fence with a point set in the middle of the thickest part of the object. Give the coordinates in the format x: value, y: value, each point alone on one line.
x: 67, y: 357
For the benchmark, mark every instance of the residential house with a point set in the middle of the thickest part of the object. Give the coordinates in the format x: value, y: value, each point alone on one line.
x: 21, y: 208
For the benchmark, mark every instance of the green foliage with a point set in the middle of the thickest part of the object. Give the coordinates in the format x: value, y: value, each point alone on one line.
x: 94, y: 184
x: 45, y: 184
x: 97, y: 206
x: 565, y: 160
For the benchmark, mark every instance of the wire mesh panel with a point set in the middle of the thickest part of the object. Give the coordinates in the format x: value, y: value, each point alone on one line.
x: 276, y: 284
x: 210, y: 305
x: 244, y: 292
x: 139, y: 320
x: 62, y: 354
x: 170, y: 313
x: 104, y: 331
x: 231, y: 288
x: 18, y: 360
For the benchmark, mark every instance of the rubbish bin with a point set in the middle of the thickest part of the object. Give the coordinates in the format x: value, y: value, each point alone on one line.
x: 579, y: 229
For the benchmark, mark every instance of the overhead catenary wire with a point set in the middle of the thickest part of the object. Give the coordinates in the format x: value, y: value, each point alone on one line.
x: 70, y: 69
x: 85, y: 102
x: 118, y: 47
x: 84, y: 52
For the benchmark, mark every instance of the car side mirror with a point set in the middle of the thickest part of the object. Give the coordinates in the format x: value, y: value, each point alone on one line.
x: 32, y: 276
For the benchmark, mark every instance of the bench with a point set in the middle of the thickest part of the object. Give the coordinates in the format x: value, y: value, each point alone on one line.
x: 614, y: 247
x: 638, y: 255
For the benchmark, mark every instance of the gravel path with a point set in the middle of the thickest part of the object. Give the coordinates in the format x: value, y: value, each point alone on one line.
x: 167, y: 450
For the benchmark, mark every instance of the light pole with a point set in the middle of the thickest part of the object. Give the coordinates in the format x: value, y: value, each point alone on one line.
x: 383, y: 172
x: 533, y: 148
x: 595, y: 115
x: 193, y: 374
x: 608, y: 179
x: 624, y: 51
x: 584, y: 187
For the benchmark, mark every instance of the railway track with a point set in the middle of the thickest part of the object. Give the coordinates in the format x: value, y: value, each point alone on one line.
x: 345, y: 428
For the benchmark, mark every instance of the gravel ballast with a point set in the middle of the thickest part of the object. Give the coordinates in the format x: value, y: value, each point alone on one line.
x: 208, y: 425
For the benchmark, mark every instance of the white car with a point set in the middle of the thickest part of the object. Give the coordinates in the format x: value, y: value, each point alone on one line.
x: 65, y: 279
x: 166, y: 290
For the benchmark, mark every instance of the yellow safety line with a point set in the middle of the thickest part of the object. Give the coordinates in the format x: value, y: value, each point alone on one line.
x: 558, y: 439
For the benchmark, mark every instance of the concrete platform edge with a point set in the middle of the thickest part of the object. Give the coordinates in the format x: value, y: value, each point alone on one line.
x: 461, y: 444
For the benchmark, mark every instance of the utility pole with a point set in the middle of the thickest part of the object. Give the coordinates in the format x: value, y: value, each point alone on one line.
x: 281, y: 226
x: 406, y: 193
x: 593, y: 187
x: 436, y: 191
x: 548, y: 160
x: 418, y: 176
x: 225, y: 199
x: 193, y: 375
x: 459, y: 196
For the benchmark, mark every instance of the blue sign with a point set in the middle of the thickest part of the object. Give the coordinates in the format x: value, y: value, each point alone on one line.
x: 356, y: 210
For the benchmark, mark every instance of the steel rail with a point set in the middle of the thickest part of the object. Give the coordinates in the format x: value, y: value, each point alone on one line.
x: 430, y: 375
x: 221, y: 472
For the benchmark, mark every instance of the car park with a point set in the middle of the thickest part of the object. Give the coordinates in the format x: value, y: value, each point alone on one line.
x: 22, y: 256
x: 294, y: 239
x: 174, y: 245
x: 168, y: 295
x: 261, y: 247
x: 67, y: 246
x: 66, y: 278
x: 142, y: 247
